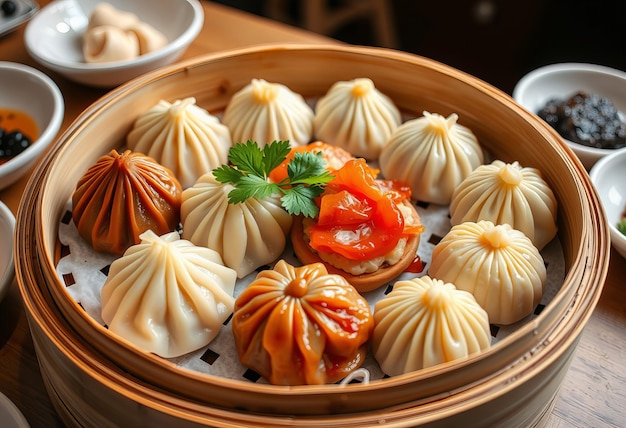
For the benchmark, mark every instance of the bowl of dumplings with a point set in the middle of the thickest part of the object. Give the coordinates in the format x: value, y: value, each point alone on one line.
x: 105, y: 44
x: 265, y: 235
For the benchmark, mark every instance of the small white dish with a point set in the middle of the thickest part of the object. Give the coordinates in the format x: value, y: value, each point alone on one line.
x: 608, y: 176
x: 54, y: 38
x: 563, y: 80
x: 7, y: 267
x: 29, y: 90
x: 10, y: 415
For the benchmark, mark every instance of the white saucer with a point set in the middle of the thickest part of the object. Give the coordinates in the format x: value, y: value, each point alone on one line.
x: 10, y: 415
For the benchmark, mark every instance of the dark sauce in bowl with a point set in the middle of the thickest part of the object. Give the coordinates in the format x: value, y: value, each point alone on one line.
x: 586, y: 119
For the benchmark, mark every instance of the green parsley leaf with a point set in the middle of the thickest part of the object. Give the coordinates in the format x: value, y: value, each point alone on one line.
x: 300, y: 200
x: 308, y: 168
x: 250, y: 167
x: 227, y: 174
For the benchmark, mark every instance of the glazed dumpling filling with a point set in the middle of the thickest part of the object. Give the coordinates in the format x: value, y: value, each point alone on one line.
x: 265, y: 112
x: 183, y: 137
x: 432, y: 154
x: 507, y: 193
x: 168, y: 296
x: 356, y: 116
x: 123, y: 195
x: 301, y: 325
x: 424, y: 322
x: 366, y: 228
x: 499, y: 265
x: 247, y: 235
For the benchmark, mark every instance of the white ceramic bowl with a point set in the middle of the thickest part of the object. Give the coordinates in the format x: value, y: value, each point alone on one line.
x: 562, y: 81
x: 608, y: 176
x: 54, y: 38
x: 7, y: 268
x: 31, y: 91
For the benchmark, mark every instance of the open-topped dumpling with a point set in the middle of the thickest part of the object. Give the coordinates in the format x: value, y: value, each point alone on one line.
x: 265, y: 112
x: 301, y: 325
x: 247, y: 235
x: 356, y: 116
x: 168, y: 296
x: 432, y: 154
x: 183, y: 137
x: 424, y: 322
x: 499, y: 265
x: 123, y: 195
x: 507, y: 193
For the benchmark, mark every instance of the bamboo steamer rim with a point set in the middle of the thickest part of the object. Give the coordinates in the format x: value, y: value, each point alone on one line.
x: 577, y: 274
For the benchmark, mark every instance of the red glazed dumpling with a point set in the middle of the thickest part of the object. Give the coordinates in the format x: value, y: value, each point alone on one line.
x: 301, y: 325
x: 122, y: 196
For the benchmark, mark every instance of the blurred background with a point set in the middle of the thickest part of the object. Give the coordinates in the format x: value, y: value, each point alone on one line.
x: 496, y: 40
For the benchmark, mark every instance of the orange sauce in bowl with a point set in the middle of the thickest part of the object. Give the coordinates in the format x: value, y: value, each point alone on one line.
x: 12, y: 120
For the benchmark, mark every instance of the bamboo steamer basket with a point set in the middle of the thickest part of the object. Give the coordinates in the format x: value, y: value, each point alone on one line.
x: 96, y: 379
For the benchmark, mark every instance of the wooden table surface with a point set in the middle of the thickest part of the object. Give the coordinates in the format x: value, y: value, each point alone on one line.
x: 593, y: 393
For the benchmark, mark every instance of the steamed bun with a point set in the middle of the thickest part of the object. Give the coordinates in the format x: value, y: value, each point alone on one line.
x: 265, y: 112
x: 432, y: 154
x: 499, y: 265
x: 247, y: 235
x: 424, y: 322
x: 357, y: 117
x: 183, y: 137
x: 507, y: 193
x: 168, y: 296
x: 123, y: 195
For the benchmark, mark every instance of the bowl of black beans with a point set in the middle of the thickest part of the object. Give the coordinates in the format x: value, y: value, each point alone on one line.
x: 584, y: 103
x: 31, y: 114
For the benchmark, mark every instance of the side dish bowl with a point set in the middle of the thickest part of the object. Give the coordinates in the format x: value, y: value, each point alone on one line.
x: 54, y: 38
x: 564, y: 80
x: 28, y: 90
x: 609, y: 178
x: 7, y: 267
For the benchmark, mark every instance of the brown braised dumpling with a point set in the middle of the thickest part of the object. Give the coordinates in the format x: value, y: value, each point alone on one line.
x: 301, y: 325
x: 123, y: 195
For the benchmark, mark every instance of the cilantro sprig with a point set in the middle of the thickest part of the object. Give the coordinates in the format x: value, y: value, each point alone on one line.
x: 251, y: 165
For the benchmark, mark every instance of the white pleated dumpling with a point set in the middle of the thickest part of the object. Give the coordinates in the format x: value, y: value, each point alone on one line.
x: 183, y: 137
x: 432, y: 154
x: 499, y: 265
x: 107, y: 43
x: 168, y: 296
x: 265, y: 112
x: 117, y: 35
x: 507, y: 193
x: 424, y: 322
x: 247, y: 235
x: 356, y: 116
